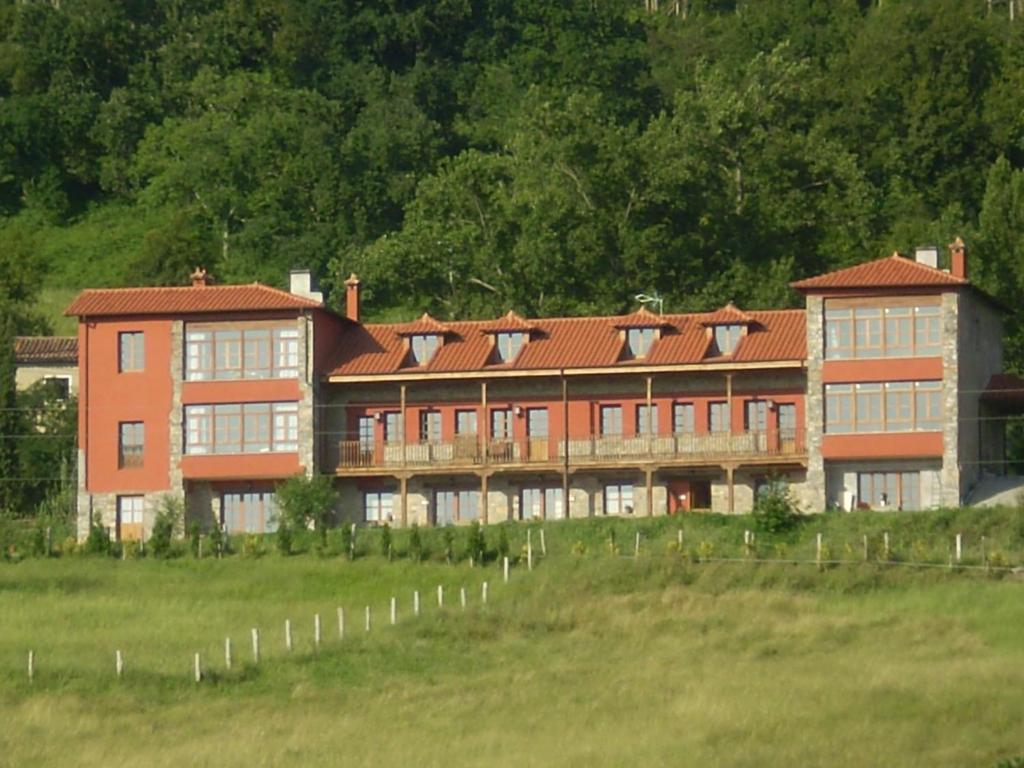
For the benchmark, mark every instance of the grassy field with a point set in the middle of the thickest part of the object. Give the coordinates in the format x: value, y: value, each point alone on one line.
x: 592, y: 658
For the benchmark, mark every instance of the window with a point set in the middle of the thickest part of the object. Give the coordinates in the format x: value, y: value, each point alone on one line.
x: 868, y: 404
x: 906, y: 406
x: 893, y: 490
x: 241, y: 428
x: 430, y: 426
x: 130, y: 443
x: 611, y: 420
x: 451, y: 506
x: 501, y: 424
x: 618, y: 499
x: 392, y: 427
x: 727, y: 337
x: 129, y: 517
x: 537, y: 422
x: 378, y: 506
x: 366, y: 432
x: 876, y: 332
x: 682, y: 418
x: 508, y: 345
x: 838, y: 408
x: 241, y: 353
x: 787, y: 421
x: 131, y: 351
x: 249, y: 512
x: 718, y: 417
x: 465, y: 423
x: 423, y: 347
x: 639, y: 341
x: 647, y: 419
x: 541, y: 503
x: 756, y: 414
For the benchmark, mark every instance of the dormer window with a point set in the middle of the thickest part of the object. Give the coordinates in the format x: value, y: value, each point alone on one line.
x: 423, y: 347
x: 727, y: 337
x: 639, y: 341
x: 508, y: 343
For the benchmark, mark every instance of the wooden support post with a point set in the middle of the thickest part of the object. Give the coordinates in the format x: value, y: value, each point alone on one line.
x: 341, y: 623
x: 394, y: 611
x: 316, y: 630
x: 484, y: 497
x: 565, y: 451
x: 227, y: 653
x: 118, y: 663
x: 288, y: 634
x: 731, y: 486
x: 401, y: 419
x: 649, y: 480
x: 403, y: 500
x: 483, y: 592
x: 255, y: 646
x: 505, y: 567
x: 485, y: 424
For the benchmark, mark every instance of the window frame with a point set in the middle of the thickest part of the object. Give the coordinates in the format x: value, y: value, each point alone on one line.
x: 679, y: 411
x: 131, y: 351
x: 925, y: 402
x: 904, y: 329
x: 508, y: 344
x: 241, y: 428
x: 131, y: 451
x: 639, y: 340
x: 423, y: 347
x: 241, y: 352
x: 610, y: 420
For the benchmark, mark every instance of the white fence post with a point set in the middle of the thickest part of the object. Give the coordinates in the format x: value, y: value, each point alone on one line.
x: 119, y: 663
x: 959, y: 546
x: 316, y: 629
x: 529, y: 550
x: 462, y: 597
x: 817, y: 556
x: 31, y: 664
x: 227, y: 653
x: 885, y: 544
x: 483, y: 592
x: 288, y: 634
x: 636, y: 546
x: 543, y: 544
x: 255, y: 645
x: 440, y: 596
x: 415, y: 602
x: 341, y: 623
x: 505, y: 566
x: 367, y: 618
x: 394, y: 611
x: 198, y: 669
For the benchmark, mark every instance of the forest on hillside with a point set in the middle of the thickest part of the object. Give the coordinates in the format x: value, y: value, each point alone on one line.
x: 470, y: 156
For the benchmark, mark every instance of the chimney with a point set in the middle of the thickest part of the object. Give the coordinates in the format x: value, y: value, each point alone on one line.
x: 200, y: 278
x: 300, y: 283
x: 958, y: 259
x: 927, y: 255
x: 352, y: 298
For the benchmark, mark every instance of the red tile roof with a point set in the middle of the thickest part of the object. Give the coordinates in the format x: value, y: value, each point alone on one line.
x: 891, y: 272
x: 642, y: 318
x: 185, y: 300
x: 574, y: 342
x: 426, y: 325
x: 727, y: 315
x: 508, y: 322
x: 46, y: 350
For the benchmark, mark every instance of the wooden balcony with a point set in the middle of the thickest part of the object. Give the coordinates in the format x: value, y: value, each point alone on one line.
x: 470, y: 452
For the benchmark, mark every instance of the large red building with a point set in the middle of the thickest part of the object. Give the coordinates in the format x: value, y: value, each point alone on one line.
x: 877, y: 394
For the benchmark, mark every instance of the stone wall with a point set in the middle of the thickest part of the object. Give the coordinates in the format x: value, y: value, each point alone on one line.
x: 951, y: 343
x: 812, y: 496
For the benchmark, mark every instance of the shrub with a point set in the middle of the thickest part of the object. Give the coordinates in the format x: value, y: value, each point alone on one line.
x: 415, y: 544
x: 348, y: 541
x: 194, y: 532
x: 98, y: 540
x: 218, y: 541
x: 579, y: 548
x: 253, y: 546
x: 774, y: 509
x: 475, y: 544
x: 167, y: 520
x: 307, y: 501
x: 283, y: 539
x: 706, y: 549
x: 448, y: 537
x: 385, y: 541
x: 502, y: 547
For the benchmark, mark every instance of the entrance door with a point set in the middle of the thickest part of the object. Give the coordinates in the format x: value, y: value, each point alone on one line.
x: 679, y: 496
x: 700, y: 494
x: 537, y: 433
x: 249, y: 512
x: 129, y: 518
x: 787, y: 428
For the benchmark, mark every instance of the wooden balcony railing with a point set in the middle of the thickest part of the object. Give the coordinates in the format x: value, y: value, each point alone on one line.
x: 470, y: 451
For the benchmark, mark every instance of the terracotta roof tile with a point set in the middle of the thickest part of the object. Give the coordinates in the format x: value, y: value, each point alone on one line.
x: 511, y: 321
x: 576, y: 342
x: 426, y: 325
x: 892, y: 272
x: 730, y: 314
x: 46, y: 349
x: 642, y: 318
x: 185, y: 300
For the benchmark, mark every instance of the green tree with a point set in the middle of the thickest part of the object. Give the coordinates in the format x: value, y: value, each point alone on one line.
x: 11, y: 425
x: 307, y: 501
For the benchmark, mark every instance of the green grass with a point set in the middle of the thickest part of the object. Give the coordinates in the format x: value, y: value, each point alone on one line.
x: 592, y: 659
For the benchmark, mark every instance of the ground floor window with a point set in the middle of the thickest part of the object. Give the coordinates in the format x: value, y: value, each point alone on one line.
x: 249, y: 512
x: 453, y: 505
x: 541, y: 503
x: 883, y: 490
x: 129, y: 517
x: 618, y: 499
x: 378, y: 506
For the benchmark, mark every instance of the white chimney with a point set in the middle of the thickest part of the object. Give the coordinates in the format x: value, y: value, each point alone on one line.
x: 927, y: 255
x: 301, y: 284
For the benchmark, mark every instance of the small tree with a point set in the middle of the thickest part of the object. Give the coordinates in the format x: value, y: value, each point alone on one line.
x: 774, y: 509
x: 448, y: 536
x: 385, y: 541
x: 307, y: 501
x: 415, y: 544
x: 475, y: 544
x: 168, y: 518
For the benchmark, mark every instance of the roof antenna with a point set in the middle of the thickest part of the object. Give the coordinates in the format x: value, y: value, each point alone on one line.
x: 651, y: 298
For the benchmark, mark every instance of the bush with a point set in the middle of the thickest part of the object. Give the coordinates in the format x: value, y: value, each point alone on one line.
x: 284, y: 538
x: 307, y: 501
x: 98, y: 540
x: 252, y: 546
x: 194, y: 532
x: 218, y: 541
x: 167, y: 520
x: 448, y: 537
x: 475, y: 544
x: 415, y: 544
x: 348, y: 542
x: 385, y: 541
x: 502, y: 547
x: 774, y: 509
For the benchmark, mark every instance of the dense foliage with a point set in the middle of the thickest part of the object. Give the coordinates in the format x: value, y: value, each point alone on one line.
x: 471, y: 156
